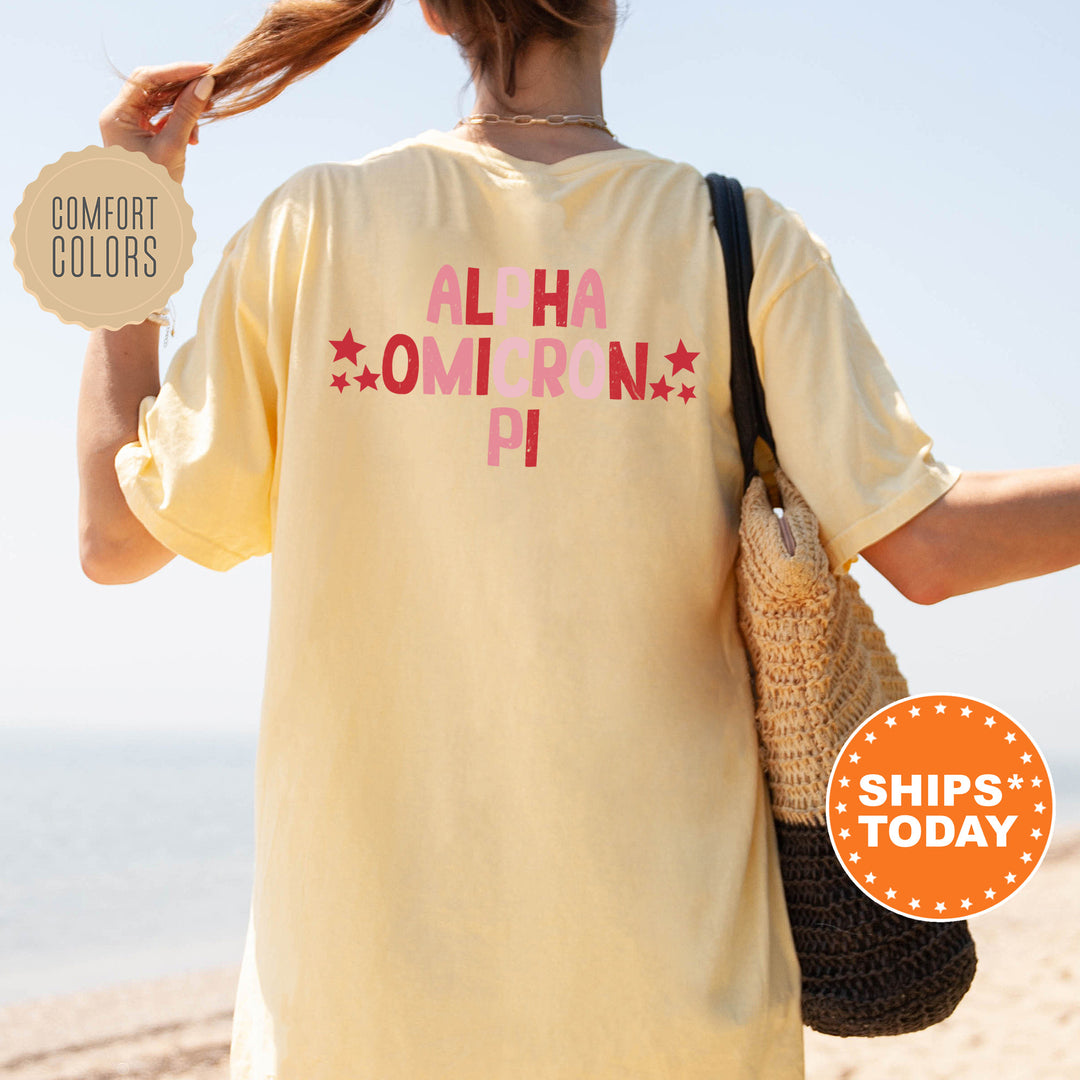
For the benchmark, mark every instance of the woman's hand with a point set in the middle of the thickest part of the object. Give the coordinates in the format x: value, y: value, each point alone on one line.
x: 128, y: 121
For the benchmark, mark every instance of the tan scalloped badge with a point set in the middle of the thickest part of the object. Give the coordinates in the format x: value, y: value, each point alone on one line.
x: 103, y: 237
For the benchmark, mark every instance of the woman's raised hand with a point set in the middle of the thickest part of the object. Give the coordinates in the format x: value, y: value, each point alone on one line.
x: 128, y: 121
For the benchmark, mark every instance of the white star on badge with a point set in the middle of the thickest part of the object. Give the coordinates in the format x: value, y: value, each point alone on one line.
x: 891, y: 722
x: 1036, y: 834
x: 1036, y: 781
x: 1010, y: 878
x: 844, y: 781
x: 841, y: 807
x: 989, y: 722
x: 870, y: 736
x: 1026, y: 759
x: 1039, y: 807
x: 890, y: 894
x: 853, y: 758
x: 965, y: 711
x: 965, y: 903
x: 845, y: 833
x: 939, y: 906
x: 913, y: 903
x: 870, y: 879
x: 990, y: 894
x: 939, y: 708
x: 1026, y: 857
x: 854, y: 857
x: 1011, y: 737
x: 914, y: 711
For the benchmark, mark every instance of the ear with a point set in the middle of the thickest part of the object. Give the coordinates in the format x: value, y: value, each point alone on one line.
x: 433, y: 20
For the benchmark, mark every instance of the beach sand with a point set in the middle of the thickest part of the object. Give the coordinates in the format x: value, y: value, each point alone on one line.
x: 177, y: 1027
x: 1021, y: 1018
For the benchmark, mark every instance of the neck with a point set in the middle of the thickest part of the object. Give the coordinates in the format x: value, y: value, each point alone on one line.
x: 550, y: 81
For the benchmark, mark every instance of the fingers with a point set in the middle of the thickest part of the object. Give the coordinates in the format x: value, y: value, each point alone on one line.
x: 130, y: 111
x: 179, y: 127
x: 144, y: 79
x: 129, y: 121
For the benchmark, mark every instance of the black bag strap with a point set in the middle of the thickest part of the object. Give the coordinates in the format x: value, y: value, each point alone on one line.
x: 747, y: 393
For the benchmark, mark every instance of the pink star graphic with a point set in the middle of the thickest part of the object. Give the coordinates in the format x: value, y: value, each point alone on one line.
x: 367, y: 378
x: 686, y: 393
x: 346, y: 347
x: 660, y: 388
x: 682, y: 359
x: 340, y: 381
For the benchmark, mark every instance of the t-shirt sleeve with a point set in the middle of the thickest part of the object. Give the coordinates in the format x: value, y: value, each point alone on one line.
x: 201, y: 475
x: 844, y: 434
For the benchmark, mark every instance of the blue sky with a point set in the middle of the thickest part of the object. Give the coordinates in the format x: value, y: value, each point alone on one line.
x: 931, y: 145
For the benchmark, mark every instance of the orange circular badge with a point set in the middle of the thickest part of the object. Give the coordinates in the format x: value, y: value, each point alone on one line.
x: 940, y: 807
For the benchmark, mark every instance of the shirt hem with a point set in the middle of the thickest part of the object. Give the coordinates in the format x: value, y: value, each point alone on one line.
x: 175, y: 537
x: 932, y: 484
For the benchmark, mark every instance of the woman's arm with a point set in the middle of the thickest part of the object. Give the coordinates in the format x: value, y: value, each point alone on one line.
x: 121, y: 366
x: 989, y: 528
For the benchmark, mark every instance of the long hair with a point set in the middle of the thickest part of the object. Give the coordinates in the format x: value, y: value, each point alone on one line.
x: 296, y: 37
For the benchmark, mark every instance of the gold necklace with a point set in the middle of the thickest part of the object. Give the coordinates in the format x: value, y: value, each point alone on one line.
x: 523, y: 119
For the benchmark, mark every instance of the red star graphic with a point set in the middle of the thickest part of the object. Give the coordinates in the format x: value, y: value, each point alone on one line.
x: 686, y: 393
x: 340, y: 381
x: 660, y: 388
x: 682, y: 359
x: 367, y: 378
x: 346, y: 347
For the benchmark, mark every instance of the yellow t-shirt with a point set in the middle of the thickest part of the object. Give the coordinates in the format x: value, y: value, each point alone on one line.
x: 510, y: 823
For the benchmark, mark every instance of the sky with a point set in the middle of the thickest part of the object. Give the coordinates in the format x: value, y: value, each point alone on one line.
x: 931, y: 145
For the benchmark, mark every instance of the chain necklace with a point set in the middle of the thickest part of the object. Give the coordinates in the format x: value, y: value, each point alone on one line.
x: 523, y: 119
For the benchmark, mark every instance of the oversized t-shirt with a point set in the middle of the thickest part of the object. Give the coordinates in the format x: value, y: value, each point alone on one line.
x: 510, y: 822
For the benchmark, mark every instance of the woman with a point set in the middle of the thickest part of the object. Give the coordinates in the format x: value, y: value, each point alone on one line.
x: 471, y: 391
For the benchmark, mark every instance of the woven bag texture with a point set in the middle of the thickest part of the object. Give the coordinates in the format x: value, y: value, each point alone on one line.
x: 865, y: 970
x: 821, y: 666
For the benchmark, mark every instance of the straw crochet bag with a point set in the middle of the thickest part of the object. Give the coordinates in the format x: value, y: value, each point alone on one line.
x: 820, y: 667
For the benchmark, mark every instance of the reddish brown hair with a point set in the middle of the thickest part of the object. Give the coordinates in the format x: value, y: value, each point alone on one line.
x: 295, y: 37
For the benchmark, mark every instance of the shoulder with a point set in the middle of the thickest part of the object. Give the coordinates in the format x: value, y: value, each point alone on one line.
x: 325, y: 189
x: 788, y: 259
x: 323, y: 177
x: 306, y: 204
x: 783, y: 246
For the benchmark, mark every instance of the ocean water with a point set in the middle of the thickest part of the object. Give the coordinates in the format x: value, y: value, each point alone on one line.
x: 128, y: 856
x: 122, y: 856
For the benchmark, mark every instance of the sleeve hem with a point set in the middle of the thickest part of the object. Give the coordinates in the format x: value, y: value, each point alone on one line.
x: 175, y: 537
x: 931, y: 485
